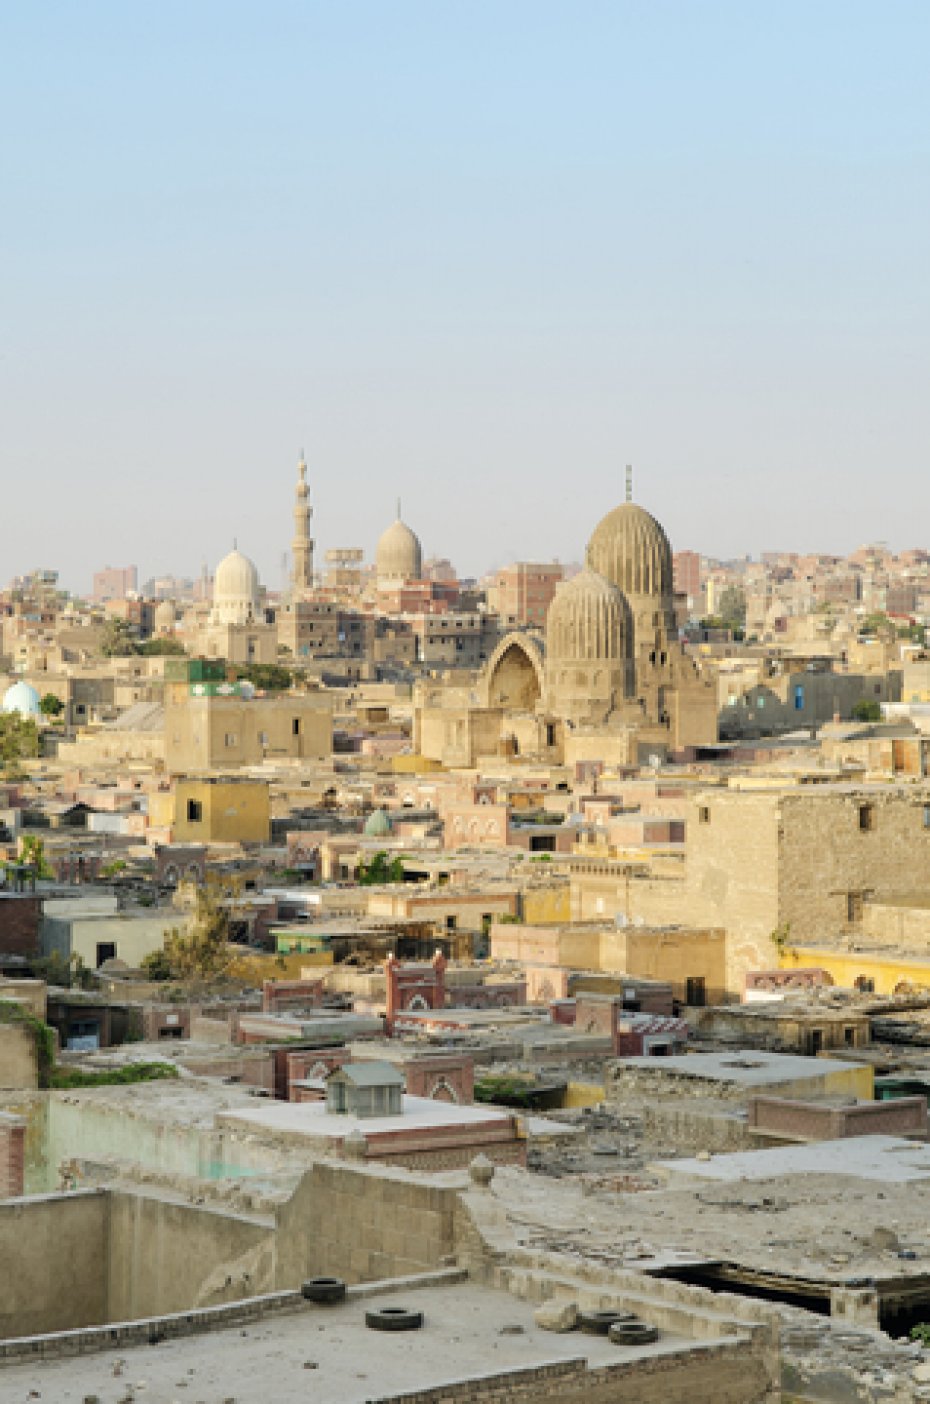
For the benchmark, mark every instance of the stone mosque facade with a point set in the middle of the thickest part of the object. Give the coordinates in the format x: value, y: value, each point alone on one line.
x: 607, y: 681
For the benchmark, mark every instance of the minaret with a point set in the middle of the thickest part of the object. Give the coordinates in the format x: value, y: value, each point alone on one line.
x: 302, y: 549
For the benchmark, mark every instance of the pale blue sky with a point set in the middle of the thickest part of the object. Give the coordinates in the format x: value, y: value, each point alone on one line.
x: 477, y: 254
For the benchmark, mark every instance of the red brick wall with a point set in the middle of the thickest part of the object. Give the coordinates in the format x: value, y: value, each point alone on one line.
x: 811, y: 1121
x: 291, y: 994
x: 12, y: 1156
x: 447, y: 1077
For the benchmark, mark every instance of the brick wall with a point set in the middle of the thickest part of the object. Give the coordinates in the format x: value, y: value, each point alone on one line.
x: 19, y: 923
x: 449, y: 1077
x: 12, y: 1155
x: 784, y: 1119
x: 291, y: 994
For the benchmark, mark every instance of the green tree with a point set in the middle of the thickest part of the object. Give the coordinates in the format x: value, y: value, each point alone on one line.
x: 19, y: 738
x: 732, y: 609
x: 867, y: 711
x: 268, y: 677
x: 32, y: 854
x: 162, y: 648
x: 157, y: 965
x: 380, y: 870
x: 51, y: 705
x: 118, y: 639
x: 202, y: 952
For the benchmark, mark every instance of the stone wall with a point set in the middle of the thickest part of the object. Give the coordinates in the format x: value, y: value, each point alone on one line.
x: 166, y: 1257
x: 360, y: 1224
x: 54, y: 1262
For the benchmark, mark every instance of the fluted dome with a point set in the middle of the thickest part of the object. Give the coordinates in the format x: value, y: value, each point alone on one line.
x: 629, y: 547
x: 588, y: 621
x: 23, y: 700
x: 235, y: 590
x: 399, y: 555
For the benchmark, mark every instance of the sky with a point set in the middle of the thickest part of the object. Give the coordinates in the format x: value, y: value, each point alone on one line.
x: 475, y: 254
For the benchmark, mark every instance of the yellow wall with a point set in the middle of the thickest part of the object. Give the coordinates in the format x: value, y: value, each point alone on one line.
x: 233, y: 811
x: 550, y: 903
x: 583, y: 1094
x: 887, y: 971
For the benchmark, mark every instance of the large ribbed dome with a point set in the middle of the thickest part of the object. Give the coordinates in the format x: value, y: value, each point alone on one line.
x: 630, y: 548
x: 588, y: 621
x: 399, y: 555
x: 235, y: 590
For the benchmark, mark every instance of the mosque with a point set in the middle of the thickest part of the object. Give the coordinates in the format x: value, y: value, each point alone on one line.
x: 608, y: 679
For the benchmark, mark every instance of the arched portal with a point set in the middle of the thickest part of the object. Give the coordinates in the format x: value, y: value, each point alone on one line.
x: 514, y: 676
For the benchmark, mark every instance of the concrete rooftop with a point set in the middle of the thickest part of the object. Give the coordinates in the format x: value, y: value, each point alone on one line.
x: 326, y: 1354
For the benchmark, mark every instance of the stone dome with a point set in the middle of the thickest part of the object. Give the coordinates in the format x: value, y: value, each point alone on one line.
x: 235, y: 590
x: 588, y: 620
x: 629, y: 547
x: 399, y: 555
x: 164, y: 618
x: 378, y: 824
x: 22, y: 699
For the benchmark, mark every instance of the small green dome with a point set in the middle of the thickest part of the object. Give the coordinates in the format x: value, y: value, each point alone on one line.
x: 378, y: 825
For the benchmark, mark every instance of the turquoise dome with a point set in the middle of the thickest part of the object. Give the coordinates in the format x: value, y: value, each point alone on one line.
x: 378, y: 825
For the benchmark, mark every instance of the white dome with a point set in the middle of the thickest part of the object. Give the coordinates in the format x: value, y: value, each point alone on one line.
x: 23, y: 699
x: 399, y: 555
x: 235, y: 590
x: 164, y: 618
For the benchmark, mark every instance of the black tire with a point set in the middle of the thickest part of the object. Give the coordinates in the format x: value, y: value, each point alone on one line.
x: 598, y: 1323
x: 324, y: 1289
x: 633, y: 1333
x: 394, y: 1319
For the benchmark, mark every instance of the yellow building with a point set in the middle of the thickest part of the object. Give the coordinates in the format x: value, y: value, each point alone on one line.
x: 214, y: 809
x: 218, y: 727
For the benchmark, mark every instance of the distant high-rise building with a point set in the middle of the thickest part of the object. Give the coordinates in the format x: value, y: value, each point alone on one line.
x: 116, y: 582
x: 523, y: 592
x: 302, y: 549
x: 687, y: 569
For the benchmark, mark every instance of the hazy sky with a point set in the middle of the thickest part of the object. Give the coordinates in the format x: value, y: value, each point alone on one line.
x: 476, y: 253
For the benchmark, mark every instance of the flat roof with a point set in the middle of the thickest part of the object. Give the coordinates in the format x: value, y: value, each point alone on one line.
x: 887, y: 1159
x: 313, y: 1120
x: 329, y: 1354
x: 754, y: 1068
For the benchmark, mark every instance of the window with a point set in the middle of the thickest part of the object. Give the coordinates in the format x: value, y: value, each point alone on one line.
x: 816, y: 1041
x: 849, y: 1037
x: 295, y: 726
x: 927, y: 816
x: 866, y: 817
x: 229, y: 739
x: 695, y: 991
x: 799, y: 699
x: 853, y: 906
x: 703, y: 815
x: 106, y: 950
x: 194, y: 811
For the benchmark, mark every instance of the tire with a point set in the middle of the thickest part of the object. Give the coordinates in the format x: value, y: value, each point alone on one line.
x: 394, y: 1319
x: 324, y: 1289
x: 632, y: 1333
x: 598, y: 1323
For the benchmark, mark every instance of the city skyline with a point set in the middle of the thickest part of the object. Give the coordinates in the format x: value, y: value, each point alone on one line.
x: 476, y: 259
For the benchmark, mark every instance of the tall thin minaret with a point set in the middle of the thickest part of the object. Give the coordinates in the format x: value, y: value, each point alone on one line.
x: 302, y: 549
